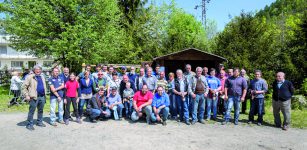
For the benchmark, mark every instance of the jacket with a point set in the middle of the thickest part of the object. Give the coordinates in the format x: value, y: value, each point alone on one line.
x: 30, y: 84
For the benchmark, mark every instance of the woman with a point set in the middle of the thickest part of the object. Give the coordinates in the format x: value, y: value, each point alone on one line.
x: 71, y: 96
x: 86, y: 88
x: 15, y: 87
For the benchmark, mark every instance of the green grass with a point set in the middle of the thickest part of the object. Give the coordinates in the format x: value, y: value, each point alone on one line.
x: 298, y: 117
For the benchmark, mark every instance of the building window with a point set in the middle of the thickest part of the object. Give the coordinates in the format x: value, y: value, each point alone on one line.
x: 47, y: 63
x: 3, y: 49
x: 16, y: 63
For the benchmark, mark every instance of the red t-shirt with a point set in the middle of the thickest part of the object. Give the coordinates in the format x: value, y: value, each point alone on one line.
x: 141, y: 98
x: 71, y: 88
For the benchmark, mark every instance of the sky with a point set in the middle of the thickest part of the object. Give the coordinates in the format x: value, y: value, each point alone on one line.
x: 221, y: 10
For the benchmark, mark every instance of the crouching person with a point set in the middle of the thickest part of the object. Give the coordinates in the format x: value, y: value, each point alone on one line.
x: 115, y: 103
x: 160, y: 105
x: 97, y: 107
x: 142, y: 101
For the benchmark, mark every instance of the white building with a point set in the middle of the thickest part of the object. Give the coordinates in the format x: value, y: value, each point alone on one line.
x: 15, y: 60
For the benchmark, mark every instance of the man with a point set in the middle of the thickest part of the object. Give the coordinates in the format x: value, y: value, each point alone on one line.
x: 65, y: 75
x: 205, y: 71
x: 229, y: 72
x: 283, y: 90
x: 258, y: 88
x: 56, y: 85
x: 34, y: 90
x: 181, y: 87
x: 157, y: 71
x: 98, y: 68
x: 115, y: 82
x: 109, y: 74
x: 214, y: 85
x: 235, y: 92
x: 132, y: 75
x: 246, y: 77
x: 101, y: 81
x: 97, y: 107
x: 142, y: 101
x: 88, y: 69
x: 162, y: 82
x: 123, y: 85
x: 140, y: 80
x: 222, y: 103
x: 160, y: 105
x: 151, y: 81
x: 105, y: 69
x: 124, y: 72
x: 189, y: 74
x: 198, y: 89
x: 115, y: 104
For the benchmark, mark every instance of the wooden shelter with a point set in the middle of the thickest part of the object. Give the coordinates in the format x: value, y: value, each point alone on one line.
x: 192, y: 56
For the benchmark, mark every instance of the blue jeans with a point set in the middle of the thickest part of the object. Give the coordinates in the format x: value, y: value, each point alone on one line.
x: 117, y: 111
x: 256, y: 105
x: 211, y: 105
x: 39, y: 103
x: 198, y: 104
x: 94, y: 113
x: 53, y: 103
x: 173, y: 105
x: 164, y: 112
x: 147, y: 110
x: 128, y: 107
x: 233, y: 101
x: 183, y: 108
x: 81, y: 104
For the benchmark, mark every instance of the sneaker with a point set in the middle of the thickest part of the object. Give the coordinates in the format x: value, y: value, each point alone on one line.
x: 66, y: 121
x: 61, y: 122
x: 236, y: 123
x: 30, y: 127
x: 164, y: 123
x: 40, y: 125
x: 187, y: 123
x: 193, y: 122
x: 259, y: 124
x: 202, y: 121
x: 285, y: 128
x: 79, y: 120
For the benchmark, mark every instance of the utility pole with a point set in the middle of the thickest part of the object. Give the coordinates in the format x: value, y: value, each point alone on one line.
x: 203, y: 11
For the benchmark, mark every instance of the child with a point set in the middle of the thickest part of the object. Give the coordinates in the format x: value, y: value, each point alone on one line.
x: 71, y: 90
x: 128, y: 99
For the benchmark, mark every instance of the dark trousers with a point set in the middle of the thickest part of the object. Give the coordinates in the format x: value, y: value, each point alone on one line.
x: 16, y: 96
x: 221, y: 106
x: 243, y: 106
x: 38, y: 103
x: 257, y: 105
x: 67, y: 108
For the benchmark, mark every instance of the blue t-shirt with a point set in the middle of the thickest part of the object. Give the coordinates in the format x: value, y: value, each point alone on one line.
x: 213, y: 82
x: 114, y: 99
x: 56, y: 82
x: 158, y: 100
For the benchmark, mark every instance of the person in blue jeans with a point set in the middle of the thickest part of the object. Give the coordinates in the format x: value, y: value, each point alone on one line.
x: 128, y: 94
x: 56, y: 84
x: 97, y: 107
x: 198, y: 89
x: 115, y: 104
x: 160, y: 105
x: 214, y: 87
x: 181, y: 86
x: 87, y: 87
x: 235, y: 92
x: 258, y: 88
x: 173, y: 106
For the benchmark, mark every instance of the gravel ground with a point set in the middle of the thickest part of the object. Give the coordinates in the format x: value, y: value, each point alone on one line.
x: 126, y: 135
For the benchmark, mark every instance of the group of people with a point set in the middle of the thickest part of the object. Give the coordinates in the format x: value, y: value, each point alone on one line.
x: 185, y: 96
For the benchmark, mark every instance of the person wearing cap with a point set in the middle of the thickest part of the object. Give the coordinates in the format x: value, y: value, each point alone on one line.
x: 115, y: 104
x: 97, y: 107
x: 124, y: 72
x: 115, y: 81
x: 151, y: 81
x: 34, y: 90
x: 142, y: 101
x: 56, y: 85
x: 160, y: 105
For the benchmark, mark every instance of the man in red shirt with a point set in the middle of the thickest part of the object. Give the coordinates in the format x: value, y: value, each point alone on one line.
x: 142, y: 104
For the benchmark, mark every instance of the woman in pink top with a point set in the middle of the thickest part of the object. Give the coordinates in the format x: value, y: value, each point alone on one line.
x: 71, y: 96
x: 222, y: 106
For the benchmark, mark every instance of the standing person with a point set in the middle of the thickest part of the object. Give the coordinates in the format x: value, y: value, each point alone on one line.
x: 86, y: 88
x: 157, y: 71
x: 132, y: 75
x: 34, y: 90
x: 244, y: 103
x: 65, y: 75
x: 222, y: 103
x: 258, y: 88
x: 181, y: 87
x: 115, y: 104
x: 205, y: 71
x: 283, y: 90
x: 172, y: 98
x: 160, y: 106
x: 56, y: 85
x: 235, y: 92
x: 71, y: 96
x: 98, y: 68
x: 198, y: 89
x: 15, y: 87
x: 123, y: 83
x: 140, y: 80
x: 101, y: 81
x: 189, y: 74
x: 151, y: 81
x: 229, y: 72
x: 128, y: 99
x: 214, y: 85
x: 142, y: 101
x: 82, y: 74
x: 161, y: 81
x: 124, y: 72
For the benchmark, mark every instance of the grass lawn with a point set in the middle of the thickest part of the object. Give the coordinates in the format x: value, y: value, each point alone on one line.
x: 299, y: 117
